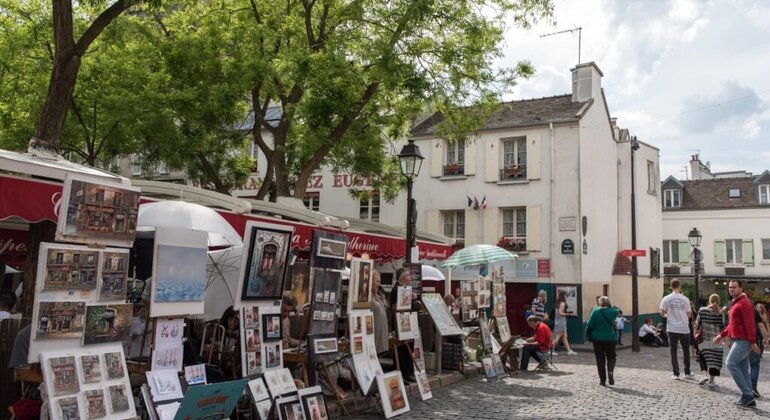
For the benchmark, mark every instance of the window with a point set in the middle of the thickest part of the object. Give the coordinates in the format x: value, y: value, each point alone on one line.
x: 136, y: 165
x: 454, y: 224
x: 515, y: 223
x: 764, y: 194
x: 162, y: 168
x: 312, y: 200
x: 670, y: 252
x: 734, y: 193
x: 652, y: 177
x: 369, y: 208
x: 455, y: 158
x: 766, y: 249
x: 514, y: 158
x: 672, y: 198
x: 734, y: 251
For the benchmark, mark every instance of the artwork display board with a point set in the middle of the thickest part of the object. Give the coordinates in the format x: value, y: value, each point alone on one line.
x: 328, y: 250
x: 415, y: 273
x: 443, y: 320
x: 179, y: 272
x: 392, y: 394
x: 212, y: 401
x: 323, y: 301
x: 265, y: 261
x: 498, y: 297
x: 251, y: 342
x: 503, y: 329
x: 89, y: 382
x: 59, y: 315
x: 313, y: 403
x: 272, y: 351
x: 469, y: 291
x: 360, y: 289
x: 299, y: 286
x: 484, y: 295
x: 100, y: 212
x: 366, y: 365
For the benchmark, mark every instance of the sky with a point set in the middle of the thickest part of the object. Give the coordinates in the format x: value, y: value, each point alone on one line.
x: 686, y: 76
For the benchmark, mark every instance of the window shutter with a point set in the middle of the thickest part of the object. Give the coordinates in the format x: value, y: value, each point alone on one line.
x: 470, y: 155
x: 491, y: 225
x: 684, y: 252
x: 432, y: 222
x: 436, y: 157
x: 533, y: 228
x: 533, y: 157
x: 748, y: 252
x: 492, y: 154
x: 719, y: 252
x: 471, y: 227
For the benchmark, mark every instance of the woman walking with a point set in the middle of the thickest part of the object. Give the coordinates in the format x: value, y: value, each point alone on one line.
x: 560, y: 322
x: 709, y: 323
x: 600, y: 329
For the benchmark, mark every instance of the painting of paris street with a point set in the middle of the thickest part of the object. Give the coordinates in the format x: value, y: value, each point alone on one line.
x: 180, y: 274
x: 70, y: 269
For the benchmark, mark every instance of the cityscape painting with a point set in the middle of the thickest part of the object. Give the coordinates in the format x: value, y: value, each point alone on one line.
x: 67, y: 269
x: 180, y: 274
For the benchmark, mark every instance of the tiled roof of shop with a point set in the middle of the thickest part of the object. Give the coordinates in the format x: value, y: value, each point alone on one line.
x: 712, y: 194
x: 554, y: 109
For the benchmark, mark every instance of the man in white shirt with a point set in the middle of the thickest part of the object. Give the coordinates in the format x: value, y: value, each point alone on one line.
x: 675, y: 307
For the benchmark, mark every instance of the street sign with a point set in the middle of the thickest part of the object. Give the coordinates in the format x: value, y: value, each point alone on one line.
x: 633, y: 253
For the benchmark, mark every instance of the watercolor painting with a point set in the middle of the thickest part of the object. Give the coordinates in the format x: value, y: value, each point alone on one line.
x: 114, y: 279
x: 69, y: 408
x: 60, y: 319
x: 65, y: 375
x: 67, y: 269
x: 180, y: 274
x: 95, y: 403
x: 118, y: 398
x: 392, y: 394
x: 113, y: 361
x: 92, y: 371
x: 107, y: 323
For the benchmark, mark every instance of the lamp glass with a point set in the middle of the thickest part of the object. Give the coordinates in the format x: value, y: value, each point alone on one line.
x: 694, y: 237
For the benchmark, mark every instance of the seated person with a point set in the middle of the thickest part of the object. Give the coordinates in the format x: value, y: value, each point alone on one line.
x: 537, y: 344
x: 286, y: 307
x: 649, y: 335
x: 7, y: 303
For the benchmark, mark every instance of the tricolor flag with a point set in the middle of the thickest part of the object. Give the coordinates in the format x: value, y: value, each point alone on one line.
x: 475, y: 203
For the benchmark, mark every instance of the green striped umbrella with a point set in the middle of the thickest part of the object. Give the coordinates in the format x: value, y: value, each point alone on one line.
x: 478, y: 254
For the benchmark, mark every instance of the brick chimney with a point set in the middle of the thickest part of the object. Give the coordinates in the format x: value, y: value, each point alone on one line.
x: 586, y: 82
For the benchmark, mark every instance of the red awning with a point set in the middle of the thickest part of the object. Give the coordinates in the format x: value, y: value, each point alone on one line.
x: 32, y: 200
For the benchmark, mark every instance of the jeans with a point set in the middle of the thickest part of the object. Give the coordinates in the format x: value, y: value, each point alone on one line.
x: 738, y: 364
x: 526, y: 353
x: 673, y: 340
x: 754, y: 359
x: 620, y: 336
x: 604, y: 350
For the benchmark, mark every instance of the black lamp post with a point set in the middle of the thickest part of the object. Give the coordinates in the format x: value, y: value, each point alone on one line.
x: 634, y: 270
x: 697, y: 256
x: 411, y: 161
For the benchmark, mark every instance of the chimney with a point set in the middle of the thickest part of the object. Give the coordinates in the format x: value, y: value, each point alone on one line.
x: 698, y: 170
x: 586, y: 82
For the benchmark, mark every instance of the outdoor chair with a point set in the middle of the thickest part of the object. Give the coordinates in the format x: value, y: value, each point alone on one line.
x: 546, y: 363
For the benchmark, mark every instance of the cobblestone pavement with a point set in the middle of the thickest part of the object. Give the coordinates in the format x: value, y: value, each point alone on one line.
x: 643, y: 389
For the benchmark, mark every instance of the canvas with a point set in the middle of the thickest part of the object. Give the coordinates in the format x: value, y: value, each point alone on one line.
x: 118, y: 398
x: 60, y: 319
x: 113, y: 363
x: 69, y: 409
x: 95, y: 406
x: 180, y: 274
x: 258, y: 389
x: 360, y: 283
x: 70, y: 269
x: 91, y: 368
x: 392, y: 394
x: 65, y: 375
x: 97, y: 212
x: 423, y: 384
x: 266, y: 260
x: 107, y: 323
x: 313, y: 403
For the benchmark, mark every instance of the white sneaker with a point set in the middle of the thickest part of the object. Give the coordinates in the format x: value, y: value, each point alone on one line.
x: 572, y: 353
x: 711, y: 384
x: 689, y: 376
x: 675, y: 377
x: 554, y: 354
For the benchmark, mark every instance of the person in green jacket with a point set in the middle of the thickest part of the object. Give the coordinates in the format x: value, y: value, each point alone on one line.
x: 600, y: 329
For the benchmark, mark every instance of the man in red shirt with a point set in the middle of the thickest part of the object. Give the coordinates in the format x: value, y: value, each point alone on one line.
x: 742, y: 331
x: 540, y: 342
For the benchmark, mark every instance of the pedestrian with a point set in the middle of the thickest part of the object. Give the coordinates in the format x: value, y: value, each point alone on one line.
x: 755, y: 358
x: 561, y: 312
x: 538, y: 306
x: 708, y: 324
x: 600, y: 329
x: 675, y: 307
x: 620, y: 325
x: 741, y: 328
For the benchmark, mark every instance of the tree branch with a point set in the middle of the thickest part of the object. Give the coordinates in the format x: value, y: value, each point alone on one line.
x: 101, y: 22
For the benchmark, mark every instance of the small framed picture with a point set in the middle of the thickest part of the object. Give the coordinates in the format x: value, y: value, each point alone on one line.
x: 325, y: 344
x: 329, y: 248
x: 404, y: 298
x: 319, y: 297
x: 271, y: 327
x: 258, y: 389
x: 333, y: 298
x: 313, y: 403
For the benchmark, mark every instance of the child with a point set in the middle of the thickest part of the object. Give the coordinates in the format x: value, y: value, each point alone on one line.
x: 620, y: 324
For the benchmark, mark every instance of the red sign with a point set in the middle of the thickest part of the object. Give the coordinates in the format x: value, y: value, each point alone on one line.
x: 544, y: 267
x: 633, y: 253
x: 13, y: 246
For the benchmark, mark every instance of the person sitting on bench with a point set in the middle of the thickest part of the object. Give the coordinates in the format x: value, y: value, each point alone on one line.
x: 536, y: 345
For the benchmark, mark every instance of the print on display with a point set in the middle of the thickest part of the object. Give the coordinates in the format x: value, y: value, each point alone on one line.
x: 118, y: 398
x: 404, y: 298
x: 113, y: 362
x: 271, y: 327
x: 360, y: 283
x: 107, y: 323
x: 326, y: 343
x: 180, y: 274
x: 273, y: 357
x: 92, y: 371
x: 258, y: 389
x: 114, y: 279
x: 299, y: 286
x: 95, y: 407
x: 67, y: 269
x: 69, y: 408
x: 65, y: 375
x: 60, y: 319
x: 266, y: 261
x: 392, y: 393
x: 313, y: 403
x: 329, y: 248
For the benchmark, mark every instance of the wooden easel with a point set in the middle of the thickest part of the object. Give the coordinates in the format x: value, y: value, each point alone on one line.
x: 323, y: 369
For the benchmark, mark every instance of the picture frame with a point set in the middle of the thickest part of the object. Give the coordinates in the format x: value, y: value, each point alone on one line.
x: 423, y: 384
x: 264, y: 408
x: 258, y: 390
x: 164, y: 384
x: 179, y: 272
x: 503, y: 329
x: 330, y: 248
x: 404, y: 298
x: 97, y: 212
x: 360, y: 285
x: 313, y: 403
x: 107, y: 323
x: 273, y: 382
x: 289, y: 408
x: 271, y: 327
x: 300, y: 285
x: 264, y: 266
x: 497, y: 362
x: 392, y: 394
x: 404, y: 327
x: 329, y: 257
x: 415, y: 274
x: 272, y: 355
x: 489, y: 367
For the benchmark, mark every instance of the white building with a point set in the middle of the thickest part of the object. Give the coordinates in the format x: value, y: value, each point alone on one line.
x: 732, y: 212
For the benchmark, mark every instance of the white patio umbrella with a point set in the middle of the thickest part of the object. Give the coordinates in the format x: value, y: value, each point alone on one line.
x: 432, y: 273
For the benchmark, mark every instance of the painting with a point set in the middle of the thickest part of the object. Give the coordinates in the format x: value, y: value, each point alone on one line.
x: 250, y: 317
x: 392, y: 394
x: 273, y: 382
x: 299, y: 286
x: 272, y: 358
x: 486, y: 337
x: 65, y: 375
x: 118, y: 398
x: 360, y: 283
x: 264, y: 268
x: 169, y: 332
x: 114, y: 278
x: 69, y: 409
x: 113, y: 362
x: 70, y: 269
x: 253, y: 363
x: 313, y: 403
x: 329, y: 248
x: 415, y: 273
x: 423, y: 384
x: 370, y: 324
x: 404, y: 328
x: 271, y: 327
x: 258, y: 389
x: 263, y: 408
x: 94, y: 400
x: 195, y: 374
x: 170, y: 357
x: 103, y: 213
x: 498, y: 363
x: 489, y: 367
x: 326, y: 343
x: 107, y: 323
x: 60, y: 319
x: 404, y: 298
x: 289, y: 408
x: 252, y: 340
x: 91, y: 368
x: 180, y: 274
x: 164, y: 384
x: 503, y: 329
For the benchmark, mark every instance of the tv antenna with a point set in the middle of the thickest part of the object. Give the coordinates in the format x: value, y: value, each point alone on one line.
x: 576, y: 28
x: 684, y: 170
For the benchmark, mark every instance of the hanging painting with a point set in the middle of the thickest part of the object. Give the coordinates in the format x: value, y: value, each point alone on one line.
x: 265, y: 261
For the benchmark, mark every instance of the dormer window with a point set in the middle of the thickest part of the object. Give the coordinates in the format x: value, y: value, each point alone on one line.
x: 734, y: 193
x: 672, y: 198
x: 764, y: 195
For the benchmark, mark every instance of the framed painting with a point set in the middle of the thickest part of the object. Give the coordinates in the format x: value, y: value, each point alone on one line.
x: 489, y: 367
x: 328, y: 250
x: 289, y: 408
x: 392, y: 394
x: 258, y: 389
x: 423, y: 384
x: 107, y: 323
x: 403, y: 298
x: 415, y: 273
x: 360, y: 289
x: 271, y: 330
x: 265, y: 262
x: 313, y: 403
x: 97, y: 212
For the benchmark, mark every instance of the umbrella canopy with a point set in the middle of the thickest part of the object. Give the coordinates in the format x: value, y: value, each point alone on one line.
x: 478, y: 254
x: 181, y: 214
x: 432, y: 273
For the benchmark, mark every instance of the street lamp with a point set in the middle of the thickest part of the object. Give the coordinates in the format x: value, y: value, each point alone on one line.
x: 697, y: 256
x: 411, y: 161
x: 634, y: 271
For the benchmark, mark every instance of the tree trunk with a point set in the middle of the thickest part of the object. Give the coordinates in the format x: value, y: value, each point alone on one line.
x: 38, y: 232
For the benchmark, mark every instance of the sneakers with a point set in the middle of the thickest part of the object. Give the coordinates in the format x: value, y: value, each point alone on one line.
x: 675, y: 377
x: 746, y: 404
x: 756, y: 394
x: 554, y: 354
x: 712, y: 384
x: 690, y: 376
x: 703, y: 381
x: 572, y: 353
